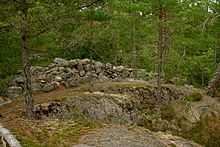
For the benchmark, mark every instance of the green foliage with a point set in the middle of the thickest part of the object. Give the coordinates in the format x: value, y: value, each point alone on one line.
x: 194, y: 97
x: 206, y: 132
x: 4, y: 83
x: 194, y: 42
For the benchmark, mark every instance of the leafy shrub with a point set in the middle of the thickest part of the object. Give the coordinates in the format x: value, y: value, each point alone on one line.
x: 194, y: 97
x: 143, y: 118
x: 168, y: 112
x: 207, y: 132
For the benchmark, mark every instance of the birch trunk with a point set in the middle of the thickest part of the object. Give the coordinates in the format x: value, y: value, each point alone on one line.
x: 8, y: 137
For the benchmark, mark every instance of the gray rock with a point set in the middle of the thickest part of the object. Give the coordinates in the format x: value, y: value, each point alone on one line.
x: 42, y: 77
x: 34, y: 71
x: 98, y: 67
x: 73, y: 82
x: 65, y: 76
x: 65, y: 84
x: 52, y: 70
x: 36, y: 87
x: 73, y: 63
x: 58, y: 79
x: 122, y: 136
x: 42, y: 81
x: 119, y: 68
x: 55, y: 72
x: 48, y: 87
x: 20, y: 80
x: 99, y: 64
x: 66, y: 70
x: 87, y: 67
x: 82, y: 73
x: 108, y: 66
x: 100, y: 108
x: 94, y: 75
x: 52, y: 65
x: 80, y: 67
x: 84, y: 61
x: 114, y: 75
x: 1, y: 100
x: 84, y: 79
x: 98, y: 70
x: 61, y: 62
x: 74, y: 71
x: 49, y: 77
x: 129, y: 69
x: 14, y: 92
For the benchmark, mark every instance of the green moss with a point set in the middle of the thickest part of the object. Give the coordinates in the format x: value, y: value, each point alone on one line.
x: 194, y: 97
x: 53, y: 133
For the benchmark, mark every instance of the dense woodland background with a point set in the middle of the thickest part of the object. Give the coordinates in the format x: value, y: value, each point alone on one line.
x: 111, y: 30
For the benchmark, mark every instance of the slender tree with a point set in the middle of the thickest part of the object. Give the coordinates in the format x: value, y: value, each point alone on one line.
x: 134, y: 47
x: 26, y: 60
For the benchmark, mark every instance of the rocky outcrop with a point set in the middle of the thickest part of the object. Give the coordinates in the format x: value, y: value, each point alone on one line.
x: 121, y: 136
x: 66, y: 73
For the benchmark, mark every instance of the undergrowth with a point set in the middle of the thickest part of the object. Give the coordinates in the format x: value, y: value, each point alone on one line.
x: 194, y: 97
x: 206, y: 132
x: 52, y: 133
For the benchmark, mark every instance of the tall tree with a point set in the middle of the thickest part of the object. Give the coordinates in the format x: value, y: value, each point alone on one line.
x: 134, y: 47
x: 26, y: 59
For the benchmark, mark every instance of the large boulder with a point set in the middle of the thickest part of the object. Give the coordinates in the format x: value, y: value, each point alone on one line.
x: 102, y: 107
x: 122, y: 136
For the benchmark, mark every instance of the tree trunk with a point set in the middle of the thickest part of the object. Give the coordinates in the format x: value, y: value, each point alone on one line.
x: 124, y: 63
x: 134, y: 52
x: 115, y: 61
x: 26, y: 62
x: 211, y: 90
x: 134, y: 49
x: 215, y: 48
x: 160, y: 57
x: 90, y: 56
x: 8, y: 137
x: 166, y: 31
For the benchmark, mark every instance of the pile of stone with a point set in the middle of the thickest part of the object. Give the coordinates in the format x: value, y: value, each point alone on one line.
x: 66, y: 73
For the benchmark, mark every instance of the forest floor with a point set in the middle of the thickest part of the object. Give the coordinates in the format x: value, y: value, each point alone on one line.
x: 96, y: 129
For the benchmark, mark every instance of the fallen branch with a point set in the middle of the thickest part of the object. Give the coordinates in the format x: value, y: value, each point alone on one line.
x: 8, y: 137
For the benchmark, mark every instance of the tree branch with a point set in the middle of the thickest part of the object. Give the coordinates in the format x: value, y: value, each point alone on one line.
x: 41, y: 32
x: 88, y: 5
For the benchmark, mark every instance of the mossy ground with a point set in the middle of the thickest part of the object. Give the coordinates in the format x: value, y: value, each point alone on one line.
x: 50, y: 133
